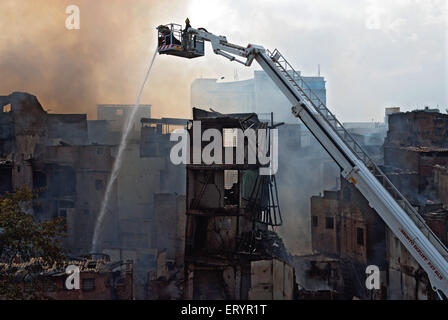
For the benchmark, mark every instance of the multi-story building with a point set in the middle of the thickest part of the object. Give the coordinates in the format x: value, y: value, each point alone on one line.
x: 258, y: 95
x: 415, y: 155
x: 229, y: 207
x: 99, y: 279
x: 345, y: 227
x: 69, y: 159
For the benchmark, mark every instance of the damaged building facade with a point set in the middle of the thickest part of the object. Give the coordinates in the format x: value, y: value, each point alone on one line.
x: 299, y: 151
x: 69, y: 159
x: 345, y: 228
x: 230, y: 250
x: 209, y: 231
x: 99, y: 279
x: 415, y: 159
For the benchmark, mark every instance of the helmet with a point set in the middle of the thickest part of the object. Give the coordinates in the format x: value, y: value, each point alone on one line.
x: 187, y: 21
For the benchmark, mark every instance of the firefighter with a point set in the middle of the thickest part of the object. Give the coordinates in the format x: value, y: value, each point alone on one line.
x: 187, y: 25
x: 185, y: 38
x: 165, y: 35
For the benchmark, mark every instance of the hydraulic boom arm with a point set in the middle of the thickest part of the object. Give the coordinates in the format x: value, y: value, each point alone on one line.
x: 357, y: 167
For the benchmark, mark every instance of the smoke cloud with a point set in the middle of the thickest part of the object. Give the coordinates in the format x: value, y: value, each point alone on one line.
x: 71, y: 71
x: 398, y: 48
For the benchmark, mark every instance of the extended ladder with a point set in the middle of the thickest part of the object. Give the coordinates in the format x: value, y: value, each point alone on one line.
x: 314, y: 105
x: 298, y: 82
x: 357, y: 167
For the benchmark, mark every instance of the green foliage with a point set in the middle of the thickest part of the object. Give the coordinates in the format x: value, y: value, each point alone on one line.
x: 24, y: 240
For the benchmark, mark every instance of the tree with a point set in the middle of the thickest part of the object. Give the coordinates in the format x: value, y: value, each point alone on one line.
x: 24, y: 240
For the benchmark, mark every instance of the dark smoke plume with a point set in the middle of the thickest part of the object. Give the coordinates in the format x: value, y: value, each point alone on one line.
x: 103, y: 62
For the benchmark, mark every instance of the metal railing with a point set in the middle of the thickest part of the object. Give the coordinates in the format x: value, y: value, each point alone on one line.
x: 306, y: 93
x: 171, y: 34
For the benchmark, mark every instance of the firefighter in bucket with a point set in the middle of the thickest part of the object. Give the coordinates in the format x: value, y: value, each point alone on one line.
x: 166, y: 36
x: 177, y: 41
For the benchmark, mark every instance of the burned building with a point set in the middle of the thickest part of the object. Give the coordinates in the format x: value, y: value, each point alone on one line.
x: 24, y: 127
x: 99, y: 279
x: 168, y: 228
x: 406, y: 278
x: 24, y: 136
x: 229, y: 208
x: 50, y: 154
x: 415, y: 156
x: 69, y: 159
x: 415, y: 144
x: 74, y: 179
x: 345, y: 227
x: 145, y: 188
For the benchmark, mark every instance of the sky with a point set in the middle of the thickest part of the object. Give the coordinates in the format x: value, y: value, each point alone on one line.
x: 373, y: 53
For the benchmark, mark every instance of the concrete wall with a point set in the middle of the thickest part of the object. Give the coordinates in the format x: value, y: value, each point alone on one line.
x: 117, y: 115
x: 324, y: 239
x: 407, y: 281
x: 70, y: 128
x: 358, y: 232
x: 418, y: 128
x: 169, y: 225
x: 91, y: 167
x: 271, y: 280
x: 441, y: 183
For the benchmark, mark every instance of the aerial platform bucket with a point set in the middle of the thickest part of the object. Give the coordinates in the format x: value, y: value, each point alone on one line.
x: 172, y: 40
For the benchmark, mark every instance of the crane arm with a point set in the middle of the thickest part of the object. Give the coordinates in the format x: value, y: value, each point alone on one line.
x: 357, y: 167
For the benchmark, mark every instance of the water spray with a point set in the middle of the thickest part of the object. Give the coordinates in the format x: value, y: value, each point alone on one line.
x: 118, y: 160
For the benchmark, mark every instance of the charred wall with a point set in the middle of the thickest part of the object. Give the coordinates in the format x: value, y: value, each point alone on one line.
x: 417, y: 128
x: 415, y: 155
x: 68, y: 128
x: 227, y: 215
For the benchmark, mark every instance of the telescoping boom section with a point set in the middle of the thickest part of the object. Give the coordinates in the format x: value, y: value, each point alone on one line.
x: 356, y: 166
